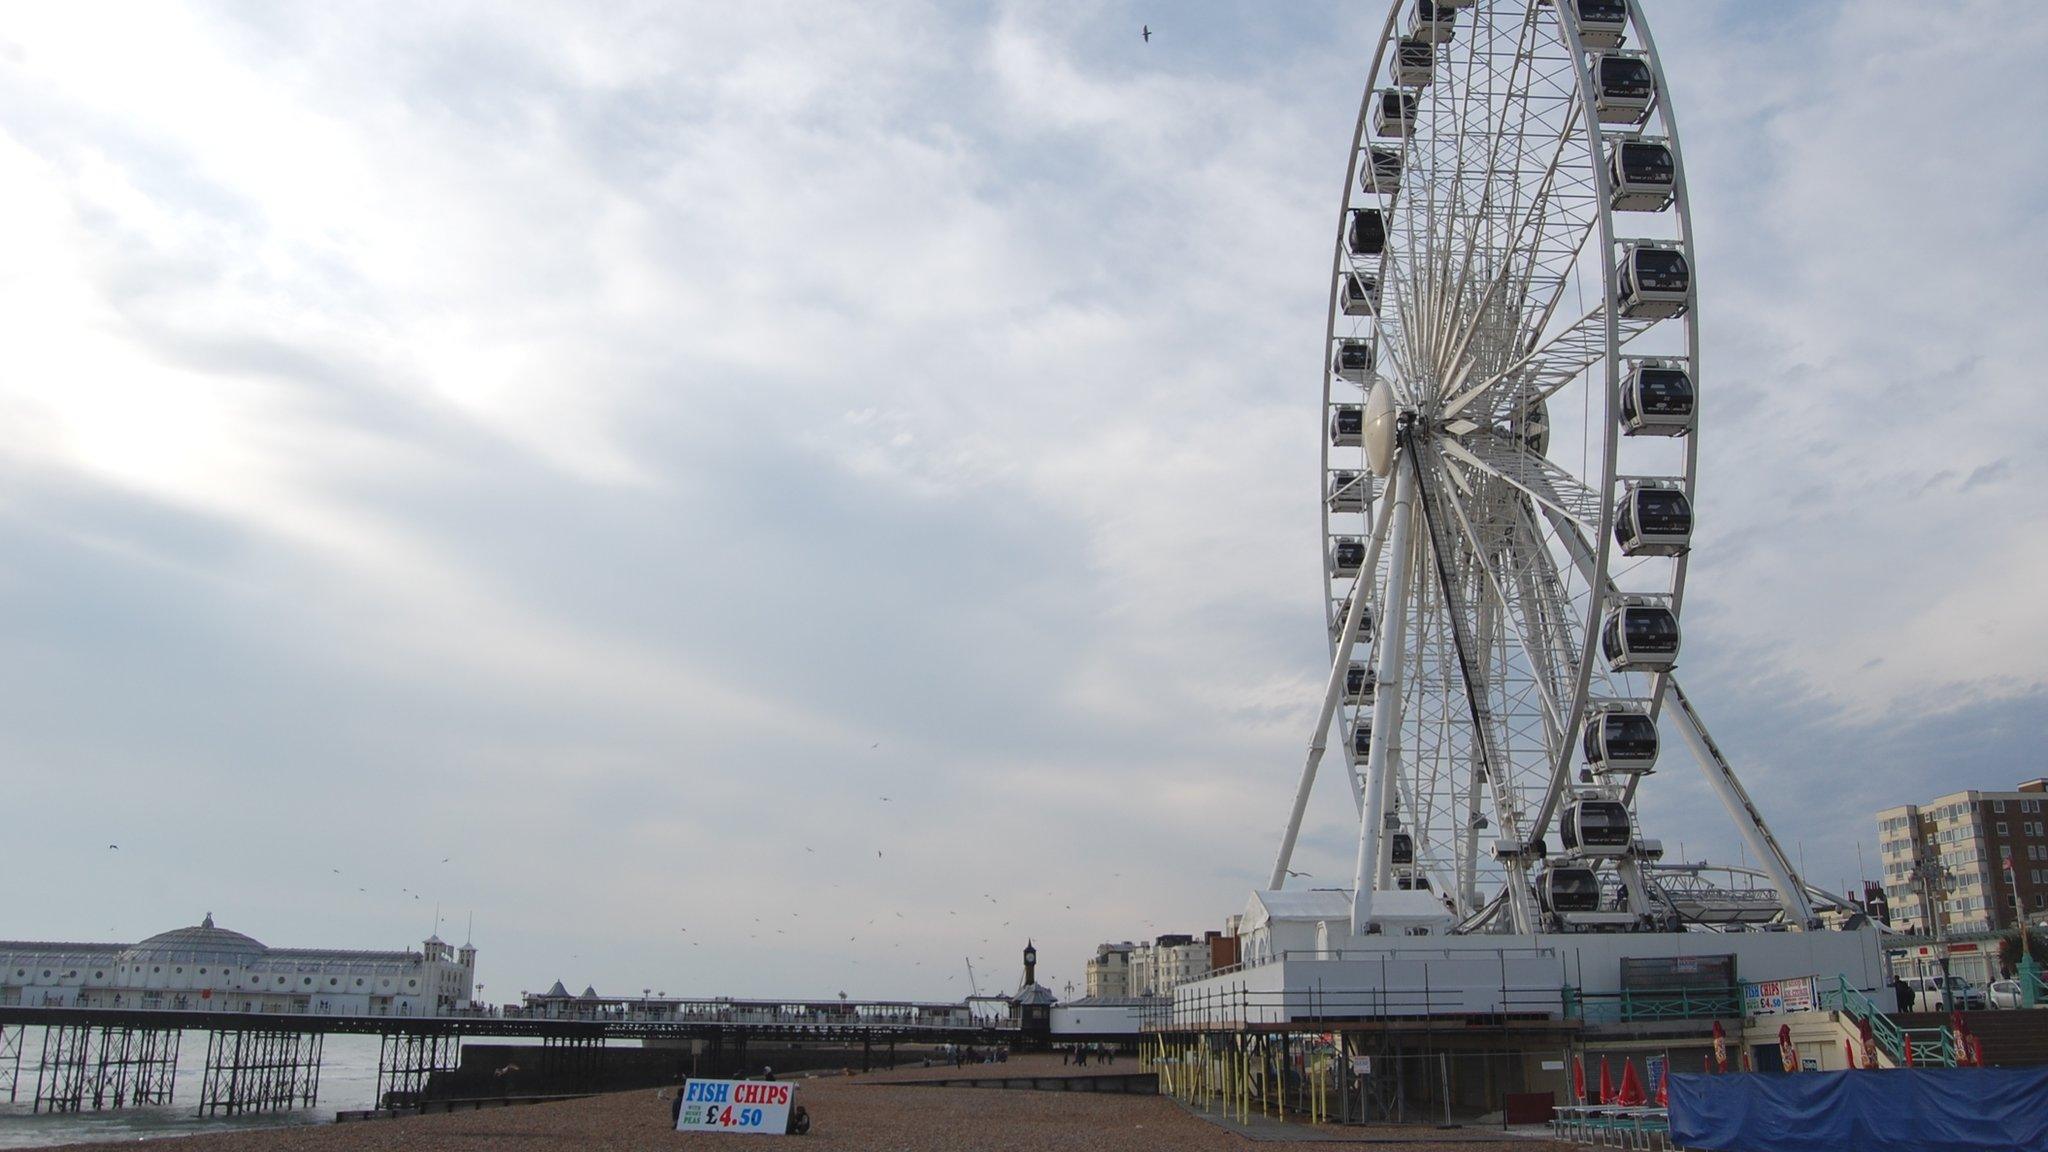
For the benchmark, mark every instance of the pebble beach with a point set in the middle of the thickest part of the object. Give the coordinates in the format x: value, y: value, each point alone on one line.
x: 882, y: 1113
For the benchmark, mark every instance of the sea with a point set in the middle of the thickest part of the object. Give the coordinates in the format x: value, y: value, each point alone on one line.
x: 348, y: 1081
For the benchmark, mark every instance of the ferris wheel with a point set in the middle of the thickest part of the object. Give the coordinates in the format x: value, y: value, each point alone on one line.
x: 1509, y: 436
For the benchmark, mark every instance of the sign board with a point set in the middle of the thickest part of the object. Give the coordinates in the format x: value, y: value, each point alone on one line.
x: 1768, y: 997
x: 1361, y: 1065
x: 735, y: 1106
x: 1553, y: 1065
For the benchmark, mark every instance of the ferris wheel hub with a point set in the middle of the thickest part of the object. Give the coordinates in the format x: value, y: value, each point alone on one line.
x: 1382, y: 422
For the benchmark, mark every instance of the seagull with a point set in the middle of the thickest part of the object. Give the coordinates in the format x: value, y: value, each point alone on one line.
x: 878, y: 853
x: 446, y: 859
x: 875, y: 745
x: 885, y: 799
x: 1303, y: 875
x: 1148, y: 33
x: 113, y: 847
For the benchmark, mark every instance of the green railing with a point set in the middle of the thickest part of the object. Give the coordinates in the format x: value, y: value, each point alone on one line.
x: 2033, y: 989
x: 1932, y: 1047
x: 1636, y: 1005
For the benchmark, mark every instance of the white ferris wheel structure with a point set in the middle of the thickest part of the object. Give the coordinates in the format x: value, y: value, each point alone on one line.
x: 1509, y: 445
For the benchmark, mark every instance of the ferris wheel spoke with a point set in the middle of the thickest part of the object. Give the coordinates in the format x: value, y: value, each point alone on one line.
x: 1544, y: 482
x: 1514, y: 612
x: 1539, y: 373
x: 1528, y: 128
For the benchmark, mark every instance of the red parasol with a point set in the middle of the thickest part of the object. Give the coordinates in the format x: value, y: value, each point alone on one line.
x: 1631, y: 1095
x: 1606, y: 1083
x: 1664, y: 1087
x: 1907, y: 1057
x: 1578, y: 1079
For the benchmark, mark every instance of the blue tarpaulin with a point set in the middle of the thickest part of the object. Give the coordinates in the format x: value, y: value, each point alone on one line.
x: 1924, y: 1109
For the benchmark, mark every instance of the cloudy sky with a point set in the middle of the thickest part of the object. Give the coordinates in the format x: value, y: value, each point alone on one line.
x: 782, y: 498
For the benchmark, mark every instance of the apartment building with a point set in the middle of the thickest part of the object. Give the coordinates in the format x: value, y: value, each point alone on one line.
x: 1982, y: 857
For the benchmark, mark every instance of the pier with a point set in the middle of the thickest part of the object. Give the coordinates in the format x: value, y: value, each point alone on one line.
x: 102, y: 1058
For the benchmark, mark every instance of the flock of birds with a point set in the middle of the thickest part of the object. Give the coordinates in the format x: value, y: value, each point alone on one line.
x: 761, y: 927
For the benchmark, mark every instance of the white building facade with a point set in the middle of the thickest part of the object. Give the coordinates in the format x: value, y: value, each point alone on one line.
x: 205, y: 968
x: 1109, y: 971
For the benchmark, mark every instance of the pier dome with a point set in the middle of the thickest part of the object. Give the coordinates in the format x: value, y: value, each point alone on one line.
x: 202, y: 943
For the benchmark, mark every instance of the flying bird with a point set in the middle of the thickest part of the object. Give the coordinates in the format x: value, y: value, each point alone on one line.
x: 1303, y: 875
x: 1148, y: 33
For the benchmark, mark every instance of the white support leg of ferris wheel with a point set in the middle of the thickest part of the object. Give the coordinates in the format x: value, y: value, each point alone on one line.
x: 1333, y: 692
x: 1719, y: 773
x: 1721, y: 777
x: 1390, y: 650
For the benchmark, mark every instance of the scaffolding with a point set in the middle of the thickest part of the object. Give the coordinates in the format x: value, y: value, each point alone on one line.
x: 1351, y: 1077
x: 260, y: 1070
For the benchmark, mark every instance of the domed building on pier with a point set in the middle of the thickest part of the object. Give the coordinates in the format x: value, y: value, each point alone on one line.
x: 209, y: 968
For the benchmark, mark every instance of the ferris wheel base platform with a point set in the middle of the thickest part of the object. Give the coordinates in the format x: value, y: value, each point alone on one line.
x: 1290, y: 978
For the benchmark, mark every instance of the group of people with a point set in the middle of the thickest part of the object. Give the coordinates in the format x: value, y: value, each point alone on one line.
x: 968, y: 1054
x: 1078, y: 1054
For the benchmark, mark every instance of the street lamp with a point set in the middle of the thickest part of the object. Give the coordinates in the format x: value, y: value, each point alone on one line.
x: 1935, y: 877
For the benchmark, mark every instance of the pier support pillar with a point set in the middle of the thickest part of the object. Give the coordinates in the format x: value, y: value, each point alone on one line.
x: 10, y: 1059
x: 406, y: 1061
x: 259, y: 1070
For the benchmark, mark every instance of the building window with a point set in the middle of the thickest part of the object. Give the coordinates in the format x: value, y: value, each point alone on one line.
x: 1998, y: 805
x: 2001, y: 827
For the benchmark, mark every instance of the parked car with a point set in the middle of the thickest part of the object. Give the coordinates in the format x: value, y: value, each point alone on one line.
x: 2005, y: 994
x: 1930, y: 996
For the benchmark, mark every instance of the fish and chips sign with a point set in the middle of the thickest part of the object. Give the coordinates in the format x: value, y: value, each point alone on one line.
x: 1769, y: 997
x: 735, y: 1106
